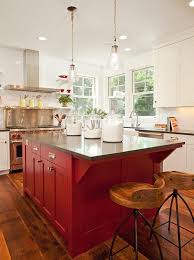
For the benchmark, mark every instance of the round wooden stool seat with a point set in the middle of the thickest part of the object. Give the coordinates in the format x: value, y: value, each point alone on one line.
x: 178, y: 180
x: 139, y: 195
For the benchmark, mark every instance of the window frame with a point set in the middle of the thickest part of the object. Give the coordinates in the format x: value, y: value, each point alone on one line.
x: 113, y: 97
x: 94, y: 90
x: 133, y: 94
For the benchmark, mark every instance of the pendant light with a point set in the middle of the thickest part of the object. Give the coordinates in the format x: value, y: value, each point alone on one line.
x: 72, y: 68
x: 114, y: 59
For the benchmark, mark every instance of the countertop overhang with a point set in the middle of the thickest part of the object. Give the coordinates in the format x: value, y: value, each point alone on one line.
x: 91, y: 149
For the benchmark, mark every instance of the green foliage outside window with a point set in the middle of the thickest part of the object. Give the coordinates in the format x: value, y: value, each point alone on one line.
x: 143, y: 87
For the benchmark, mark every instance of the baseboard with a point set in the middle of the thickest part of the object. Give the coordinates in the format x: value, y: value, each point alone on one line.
x: 4, y: 172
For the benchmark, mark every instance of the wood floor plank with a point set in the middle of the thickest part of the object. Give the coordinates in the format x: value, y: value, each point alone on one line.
x: 45, y: 242
x: 4, y: 252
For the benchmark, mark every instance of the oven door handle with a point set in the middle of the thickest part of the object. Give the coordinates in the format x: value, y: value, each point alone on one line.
x: 15, y: 141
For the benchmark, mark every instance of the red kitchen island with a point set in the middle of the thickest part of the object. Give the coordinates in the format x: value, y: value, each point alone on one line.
x: 69, y: 179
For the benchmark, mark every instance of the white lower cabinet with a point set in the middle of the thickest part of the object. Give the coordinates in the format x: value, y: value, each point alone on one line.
x: 182, y: 159
x: 4, y: 151
x: 190, y: 158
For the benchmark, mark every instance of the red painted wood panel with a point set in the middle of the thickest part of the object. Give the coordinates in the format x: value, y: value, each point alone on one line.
x: 38, y: 178
x: 76, y: 192
x: 49, y: 189
x: 28, y: 169
x: 61, y: 198
x: 59, y: 157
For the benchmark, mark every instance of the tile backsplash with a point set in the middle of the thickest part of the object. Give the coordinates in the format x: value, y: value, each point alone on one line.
x: 184, y: 115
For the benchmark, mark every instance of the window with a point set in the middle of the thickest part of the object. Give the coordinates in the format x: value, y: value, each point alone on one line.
x: 143, y: 91
x: 84, y: 93
x: 116, y: 93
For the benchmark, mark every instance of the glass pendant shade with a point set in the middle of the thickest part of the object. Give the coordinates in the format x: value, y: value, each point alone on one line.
x: 72, y: 73
x: 114, y: 62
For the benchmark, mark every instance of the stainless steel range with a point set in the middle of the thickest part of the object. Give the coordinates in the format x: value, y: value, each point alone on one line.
x: 16, y: 135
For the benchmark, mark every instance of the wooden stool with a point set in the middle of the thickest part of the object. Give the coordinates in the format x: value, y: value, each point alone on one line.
x: 176, y: 181
x: 137, y: 196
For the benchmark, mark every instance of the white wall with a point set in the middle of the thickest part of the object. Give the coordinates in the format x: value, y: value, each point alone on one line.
x: 11, y: 72
x: 11, y: 66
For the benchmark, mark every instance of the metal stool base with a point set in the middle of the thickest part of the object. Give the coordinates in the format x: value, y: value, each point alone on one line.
x: 136, y: 214
x: 173, y: 196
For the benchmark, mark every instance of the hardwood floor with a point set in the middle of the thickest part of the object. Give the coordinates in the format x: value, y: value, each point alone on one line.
x: 29, y: 235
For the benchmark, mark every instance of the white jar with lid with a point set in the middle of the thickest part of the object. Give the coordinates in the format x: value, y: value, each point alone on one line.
x: 73, y: 125
x: 112, y: 129
x: 92, y: 127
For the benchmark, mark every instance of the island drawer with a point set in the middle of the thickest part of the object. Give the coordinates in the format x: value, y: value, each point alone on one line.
x: 53, y: 155
x: 36, y: 148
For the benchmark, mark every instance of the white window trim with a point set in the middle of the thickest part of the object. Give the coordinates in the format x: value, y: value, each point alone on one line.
x: 94, y: 89
x: 143, y: 119
x: 107, y: 104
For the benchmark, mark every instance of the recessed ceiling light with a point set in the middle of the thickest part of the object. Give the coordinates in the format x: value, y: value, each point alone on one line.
x: 42, y: 38
x: 127, y: 49
x: 191, y: 3
x: 123, y: 37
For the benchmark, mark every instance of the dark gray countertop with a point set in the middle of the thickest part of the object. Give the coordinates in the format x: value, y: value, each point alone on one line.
x: 96, y: 149
x: 177, y: 131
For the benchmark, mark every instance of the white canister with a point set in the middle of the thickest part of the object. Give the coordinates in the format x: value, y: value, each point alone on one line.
x: 112, y: 129
x: 92, y: 127
x: 73, y: 125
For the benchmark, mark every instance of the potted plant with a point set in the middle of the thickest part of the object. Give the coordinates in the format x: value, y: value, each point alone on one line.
x: 65, y: 100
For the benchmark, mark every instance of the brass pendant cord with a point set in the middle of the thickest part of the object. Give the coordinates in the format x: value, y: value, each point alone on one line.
x: 115, y: 22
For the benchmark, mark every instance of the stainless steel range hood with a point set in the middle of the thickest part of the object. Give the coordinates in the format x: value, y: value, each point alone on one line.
x: 31, y: 75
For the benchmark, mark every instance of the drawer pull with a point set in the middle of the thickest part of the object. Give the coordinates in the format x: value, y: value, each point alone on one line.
x: 3, y: 142
x: 51, y: 155
x: 50, y: 169
x: 35, y: 148
x: 39, y: 161
x: 174, y: 138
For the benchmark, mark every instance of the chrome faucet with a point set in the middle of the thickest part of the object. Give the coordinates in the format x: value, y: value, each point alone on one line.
x: 134, y: 113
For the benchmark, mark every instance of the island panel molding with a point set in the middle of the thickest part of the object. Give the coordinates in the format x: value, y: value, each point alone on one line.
x: 72, y: 190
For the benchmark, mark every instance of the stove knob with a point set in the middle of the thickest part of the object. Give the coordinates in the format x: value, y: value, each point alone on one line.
x: 19, y: 136
x: 14, y: 136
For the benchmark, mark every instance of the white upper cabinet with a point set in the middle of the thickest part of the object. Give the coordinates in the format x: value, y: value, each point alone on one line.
x: 174, y: 74
x: 166, y: 71
x: 186, y: 92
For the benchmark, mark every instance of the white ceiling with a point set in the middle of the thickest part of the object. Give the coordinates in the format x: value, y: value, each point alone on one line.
x: 143, y: 21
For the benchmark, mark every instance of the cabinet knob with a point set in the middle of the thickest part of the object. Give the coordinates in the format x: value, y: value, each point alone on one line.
x: 51, y: 155
x: 39, y: 161
x: 35, y: 148
x: 3, y: 142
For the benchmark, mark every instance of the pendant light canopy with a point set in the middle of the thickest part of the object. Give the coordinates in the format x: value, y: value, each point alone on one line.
x: 114, y: 62
x: 72, y: 67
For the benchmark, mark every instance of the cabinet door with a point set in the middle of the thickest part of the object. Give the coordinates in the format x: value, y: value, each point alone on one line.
x: 166, y: 61
x: 38, y: 179
x: 49, y: 189
x: 61, y: 198
x: 28, y: 169
x: 177, y: 161
x: 186, y: 97
x: 4, y: 148
x: 190, y: 158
